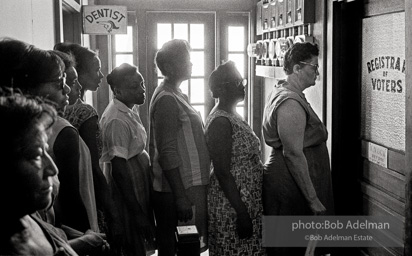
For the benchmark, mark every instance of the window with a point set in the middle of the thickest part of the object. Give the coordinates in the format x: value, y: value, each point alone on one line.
x: 234, y: 43
x: 123, y: 48
x: 236, y: 52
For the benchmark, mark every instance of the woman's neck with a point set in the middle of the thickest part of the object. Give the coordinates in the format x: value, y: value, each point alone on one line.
x: 228, y: 106
x: 173, y: 83
x: 294, y: 83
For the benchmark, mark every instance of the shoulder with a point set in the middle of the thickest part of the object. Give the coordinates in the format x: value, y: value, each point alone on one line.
x: 218, y: 120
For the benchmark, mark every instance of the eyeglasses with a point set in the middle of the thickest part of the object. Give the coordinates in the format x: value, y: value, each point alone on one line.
x: 310, y: 64
x: 238, y: 83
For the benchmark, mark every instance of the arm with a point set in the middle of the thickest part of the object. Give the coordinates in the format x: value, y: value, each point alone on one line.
x: 70, y: 208
x: 291, y: 122
x: 220, y: 150
x: 89, y: 243
x: 88, y: 132
x: 166, y: 129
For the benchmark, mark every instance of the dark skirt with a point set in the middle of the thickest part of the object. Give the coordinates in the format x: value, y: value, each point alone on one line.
x: 282, y: 196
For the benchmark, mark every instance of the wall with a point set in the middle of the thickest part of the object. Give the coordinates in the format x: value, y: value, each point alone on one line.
x: 204, y: 5
x: 31, y: 21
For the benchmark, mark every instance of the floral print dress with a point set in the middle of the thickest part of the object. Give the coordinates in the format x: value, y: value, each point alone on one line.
x: 247, y: 170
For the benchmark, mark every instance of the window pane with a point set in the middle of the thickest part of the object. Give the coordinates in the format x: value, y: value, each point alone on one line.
x: 197, y: 90
x: 180, y: 31
x: 197, y: 36
x: 159, y: 81
x: 241, y: 111
x: 164, y: 34
x: 201, y: 109
x: 124, y: 58
x: 236, y: 38
x: 124, y: 43
x: 184, y: 86
x: 88, y: 97
x: 239, y: 59
x: 198, y: 61
x: 159, y: 73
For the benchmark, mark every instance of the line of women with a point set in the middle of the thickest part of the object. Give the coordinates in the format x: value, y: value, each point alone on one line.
x: 207, y: 175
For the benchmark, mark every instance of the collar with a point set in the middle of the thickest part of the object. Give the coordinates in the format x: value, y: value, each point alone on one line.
x: 121, y: 106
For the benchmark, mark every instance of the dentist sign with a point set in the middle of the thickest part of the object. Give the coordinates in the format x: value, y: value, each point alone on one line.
x: 104, y: 19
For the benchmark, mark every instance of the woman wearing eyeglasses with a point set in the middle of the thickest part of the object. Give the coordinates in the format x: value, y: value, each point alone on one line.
x: 235, y: 204
x: 42, y: 73
x: 297, y: 179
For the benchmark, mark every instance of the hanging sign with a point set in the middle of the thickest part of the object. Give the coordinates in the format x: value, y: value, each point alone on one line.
x: 104, y: 19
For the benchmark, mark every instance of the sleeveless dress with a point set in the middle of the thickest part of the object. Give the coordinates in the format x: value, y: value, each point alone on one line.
x: 86, y: 184
x: 281, y: 194
x: 247, y: 170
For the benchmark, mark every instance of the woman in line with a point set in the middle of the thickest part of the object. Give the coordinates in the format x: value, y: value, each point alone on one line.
x: 41, y: 73
x: 85, y: 119
x: 297, y: 178
x: 178, y: 151
x: 234, y: 199
x: 125, y: 160
x: 26, y: 183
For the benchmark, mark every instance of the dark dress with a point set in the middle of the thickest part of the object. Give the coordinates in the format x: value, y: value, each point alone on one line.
x: 281, y: 194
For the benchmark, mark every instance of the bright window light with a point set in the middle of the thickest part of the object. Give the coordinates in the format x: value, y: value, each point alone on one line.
x: 201, y: 109
x: 198, y: 61
x: 124, y: 43
x: 124, y: 58
x: 236, y: 38
x: 180, y: 31
x: 197, y: 40
x: 197, y: 92
x: 164, y: 34
x: 239, y: 59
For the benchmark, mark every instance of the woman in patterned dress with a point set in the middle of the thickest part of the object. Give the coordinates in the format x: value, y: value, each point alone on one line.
x: 235, y: 205
x: 87, y: 76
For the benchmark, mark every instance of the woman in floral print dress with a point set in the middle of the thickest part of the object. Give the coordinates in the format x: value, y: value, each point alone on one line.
x: 235, y: 204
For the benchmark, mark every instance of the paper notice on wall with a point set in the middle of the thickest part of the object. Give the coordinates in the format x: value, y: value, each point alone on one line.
x: 378, y: 155
x: 383, y: 80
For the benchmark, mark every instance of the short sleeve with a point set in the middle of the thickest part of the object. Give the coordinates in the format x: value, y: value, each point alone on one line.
x: 117, y: 136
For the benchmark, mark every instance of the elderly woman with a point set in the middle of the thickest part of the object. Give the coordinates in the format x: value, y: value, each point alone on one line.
x: 42, y: 73
x: 26, y: 183
x: 235, y: 203
x: 297, y: 179
x: 178, y: 150
x: 125, y: 160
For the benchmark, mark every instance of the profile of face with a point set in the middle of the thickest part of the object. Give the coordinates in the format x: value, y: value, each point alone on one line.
x: 73, y: 82
x: 309, y: 72
x: 133, y: 89
x: 34, y: 170
x: 236, y: 86
x: 55, y: 89
x: 91, y: 79
x: 181, y: 67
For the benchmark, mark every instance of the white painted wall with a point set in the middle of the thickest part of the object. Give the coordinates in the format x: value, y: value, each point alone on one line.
x: 31, y: 21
